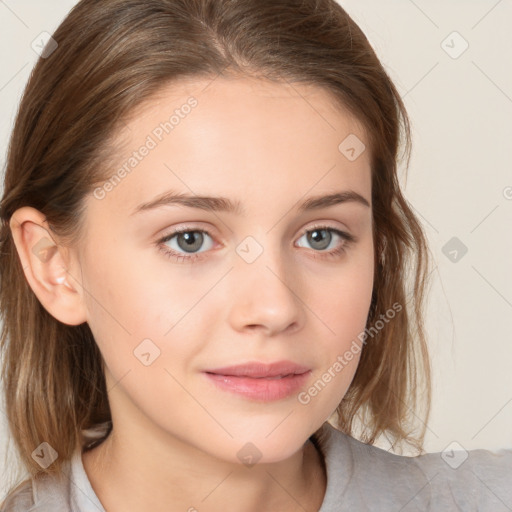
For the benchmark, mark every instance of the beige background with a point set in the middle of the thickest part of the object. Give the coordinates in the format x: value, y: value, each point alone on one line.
x: 459, y: 182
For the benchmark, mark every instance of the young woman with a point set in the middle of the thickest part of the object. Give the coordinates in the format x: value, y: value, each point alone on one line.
x: 204, y: 258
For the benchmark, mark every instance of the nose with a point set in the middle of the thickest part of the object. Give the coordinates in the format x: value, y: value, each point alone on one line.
x: 266, y: 296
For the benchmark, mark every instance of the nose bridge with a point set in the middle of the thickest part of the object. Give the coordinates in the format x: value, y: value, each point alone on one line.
x: 263, y: 286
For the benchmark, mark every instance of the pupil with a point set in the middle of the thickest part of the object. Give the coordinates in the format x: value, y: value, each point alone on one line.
x: 316, y: 236
x: 191, y: 242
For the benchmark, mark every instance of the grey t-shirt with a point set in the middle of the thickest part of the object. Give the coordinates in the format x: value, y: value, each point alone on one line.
x: 359, y: 477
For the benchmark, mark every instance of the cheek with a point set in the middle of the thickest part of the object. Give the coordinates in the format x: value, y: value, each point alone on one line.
x: 342, y: 300
x: 137, y: 313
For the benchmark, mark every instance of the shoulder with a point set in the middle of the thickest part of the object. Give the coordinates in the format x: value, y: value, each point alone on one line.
x: 19, y: 499
x: 366, y: 475
x: 43, y: 493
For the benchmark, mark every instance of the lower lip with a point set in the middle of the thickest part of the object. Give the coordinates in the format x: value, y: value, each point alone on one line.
x: 263, y: 389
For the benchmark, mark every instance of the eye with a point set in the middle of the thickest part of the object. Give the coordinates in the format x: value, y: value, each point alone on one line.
x: 187, y: 240
x: 322, y: 237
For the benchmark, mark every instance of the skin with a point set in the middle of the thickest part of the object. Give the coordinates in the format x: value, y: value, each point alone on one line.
x: 176, y: 435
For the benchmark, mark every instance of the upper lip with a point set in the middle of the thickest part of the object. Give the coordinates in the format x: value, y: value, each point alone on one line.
x: 257, y: 369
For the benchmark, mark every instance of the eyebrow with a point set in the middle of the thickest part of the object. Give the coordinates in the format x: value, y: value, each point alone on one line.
x: 223, y: 204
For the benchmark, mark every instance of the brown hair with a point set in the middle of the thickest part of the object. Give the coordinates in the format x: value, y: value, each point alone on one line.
x: 111, y: 57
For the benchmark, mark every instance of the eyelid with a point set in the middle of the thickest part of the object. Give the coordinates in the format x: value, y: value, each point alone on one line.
x: 189, y: 227
x: 316, y: 225
x: 328, y: 226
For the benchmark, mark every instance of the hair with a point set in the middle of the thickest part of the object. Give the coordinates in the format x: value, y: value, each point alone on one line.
x: 114, y: 56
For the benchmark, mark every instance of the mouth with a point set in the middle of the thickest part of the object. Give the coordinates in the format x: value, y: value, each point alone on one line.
x: 259, y: 370
x: 259, y: 381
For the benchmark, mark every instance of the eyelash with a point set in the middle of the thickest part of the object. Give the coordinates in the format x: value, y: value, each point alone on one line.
x: 347, y: 238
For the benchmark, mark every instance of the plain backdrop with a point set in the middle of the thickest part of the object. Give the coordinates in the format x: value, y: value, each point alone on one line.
x: 451, y: 62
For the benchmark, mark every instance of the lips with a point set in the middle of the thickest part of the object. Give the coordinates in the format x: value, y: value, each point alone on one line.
x: 260, y: 381
x: 258, y: 370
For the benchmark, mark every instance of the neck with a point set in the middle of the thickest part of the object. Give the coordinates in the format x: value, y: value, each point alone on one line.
x: 133, y: 471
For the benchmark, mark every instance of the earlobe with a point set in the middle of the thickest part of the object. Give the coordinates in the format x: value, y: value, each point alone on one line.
x: 45, y: 264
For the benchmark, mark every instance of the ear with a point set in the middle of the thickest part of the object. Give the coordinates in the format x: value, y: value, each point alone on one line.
x: 46, y: 266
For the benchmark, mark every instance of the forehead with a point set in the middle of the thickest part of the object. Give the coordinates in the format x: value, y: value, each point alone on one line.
x: 247, y: 101
x: 238, y: 137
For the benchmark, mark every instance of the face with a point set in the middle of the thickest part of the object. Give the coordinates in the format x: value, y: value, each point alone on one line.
x: 267, y: 274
